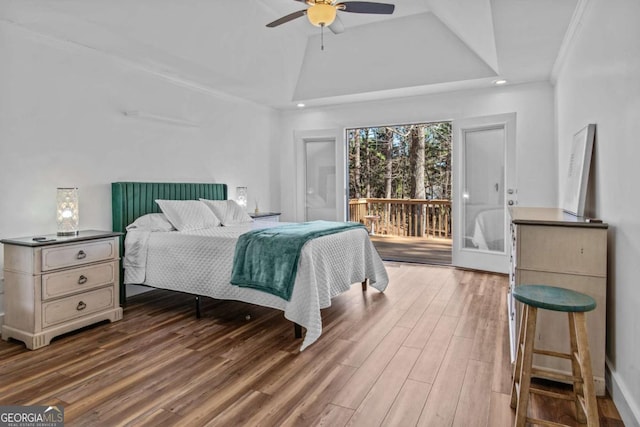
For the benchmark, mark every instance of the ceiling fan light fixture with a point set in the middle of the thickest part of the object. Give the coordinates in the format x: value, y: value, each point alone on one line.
x: 321, y: 14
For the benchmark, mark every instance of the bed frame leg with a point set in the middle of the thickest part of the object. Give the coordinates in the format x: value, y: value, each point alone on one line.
x: 297, y: 330
x: 364, y: 285
x: 198, y: 307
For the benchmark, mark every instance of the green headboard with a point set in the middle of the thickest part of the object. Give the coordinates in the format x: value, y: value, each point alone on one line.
x: 131, y: 200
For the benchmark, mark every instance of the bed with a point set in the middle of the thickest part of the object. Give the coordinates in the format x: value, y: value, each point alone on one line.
x: 187, y: 261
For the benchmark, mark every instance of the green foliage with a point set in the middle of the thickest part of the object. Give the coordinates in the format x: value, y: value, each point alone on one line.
x: 384, y: 168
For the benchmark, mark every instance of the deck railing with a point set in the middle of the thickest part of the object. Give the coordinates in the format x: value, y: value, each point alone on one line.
x: 404, y: 217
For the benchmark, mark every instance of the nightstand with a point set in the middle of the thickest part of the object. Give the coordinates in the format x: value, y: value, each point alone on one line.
x: 60, y: 284
x: 266, y: 216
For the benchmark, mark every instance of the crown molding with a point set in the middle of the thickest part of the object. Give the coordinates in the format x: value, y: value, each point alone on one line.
x: 569, y: 39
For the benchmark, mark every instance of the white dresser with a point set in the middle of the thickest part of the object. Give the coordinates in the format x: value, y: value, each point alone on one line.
x: 551, y: 247
x: 56, y: 286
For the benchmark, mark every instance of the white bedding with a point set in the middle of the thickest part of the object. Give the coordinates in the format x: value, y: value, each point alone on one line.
x: 200, y: 262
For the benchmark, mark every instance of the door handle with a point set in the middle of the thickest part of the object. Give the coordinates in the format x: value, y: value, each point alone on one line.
x: 510, y: 202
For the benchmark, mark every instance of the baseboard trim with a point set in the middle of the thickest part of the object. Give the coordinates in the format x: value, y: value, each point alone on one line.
x: 628, y: 410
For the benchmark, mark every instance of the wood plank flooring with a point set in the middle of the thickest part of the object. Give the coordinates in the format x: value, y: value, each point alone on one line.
x: 421, y: 250
x: 431, y: 351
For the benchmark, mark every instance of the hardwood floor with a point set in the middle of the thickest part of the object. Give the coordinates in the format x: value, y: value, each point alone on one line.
x: 431, y: 351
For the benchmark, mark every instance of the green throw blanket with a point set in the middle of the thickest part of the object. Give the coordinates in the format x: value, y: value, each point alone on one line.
x: 267, y: 259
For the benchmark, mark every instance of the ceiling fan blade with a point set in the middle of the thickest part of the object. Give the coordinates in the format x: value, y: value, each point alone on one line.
x: 285, y: 19
x: 366, y: 7
x: 336, y: 27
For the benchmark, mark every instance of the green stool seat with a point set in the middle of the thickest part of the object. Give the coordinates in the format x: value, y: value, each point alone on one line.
x: 553, y: 298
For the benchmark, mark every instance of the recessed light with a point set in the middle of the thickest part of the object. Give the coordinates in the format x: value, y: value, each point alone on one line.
x: 301, y: 105
x: 499, y: 82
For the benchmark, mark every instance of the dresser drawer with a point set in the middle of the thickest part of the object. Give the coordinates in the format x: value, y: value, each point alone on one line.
x: 75, y: 306
x: 78, y: 280
x: 78, y: 254
x: 572, y: 250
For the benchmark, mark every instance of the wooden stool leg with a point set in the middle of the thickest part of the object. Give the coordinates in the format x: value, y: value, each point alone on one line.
x: 582, y: 341
x: 576, y: 370
x: 517, y: 366
x: 527, y: 361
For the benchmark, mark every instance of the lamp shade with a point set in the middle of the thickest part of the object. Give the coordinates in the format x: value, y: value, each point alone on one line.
x: 67, y: 211
x: 321, y: 14
x: 241, y: 196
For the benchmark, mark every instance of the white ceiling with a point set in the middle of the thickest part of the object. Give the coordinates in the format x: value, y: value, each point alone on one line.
x: 224, y: 46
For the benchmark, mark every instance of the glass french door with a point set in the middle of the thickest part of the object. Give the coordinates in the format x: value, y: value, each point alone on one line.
x: 483, y: 189
x: 320, y: 188
x: 320, y: 172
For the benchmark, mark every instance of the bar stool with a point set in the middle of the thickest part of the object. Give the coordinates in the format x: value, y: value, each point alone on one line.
x: 575, y: 305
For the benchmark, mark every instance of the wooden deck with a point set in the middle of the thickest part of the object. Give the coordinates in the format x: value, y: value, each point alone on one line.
x: 418, y: 250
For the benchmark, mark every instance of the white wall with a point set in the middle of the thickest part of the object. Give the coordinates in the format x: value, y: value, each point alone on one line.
x: 600, y: 83
x: 61, y: 124
x: 533, y: 103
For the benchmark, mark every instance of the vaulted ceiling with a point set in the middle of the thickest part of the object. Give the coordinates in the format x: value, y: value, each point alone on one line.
x: 224, y: 47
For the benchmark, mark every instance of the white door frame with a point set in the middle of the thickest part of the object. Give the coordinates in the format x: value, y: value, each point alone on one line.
x: 475, y: 258
x: 300, y: 139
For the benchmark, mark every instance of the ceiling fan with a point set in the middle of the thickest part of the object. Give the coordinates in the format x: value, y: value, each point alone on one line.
x: 323, y: 13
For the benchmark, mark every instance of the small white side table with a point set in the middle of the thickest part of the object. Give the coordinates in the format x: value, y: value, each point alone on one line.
x: 266, y: 216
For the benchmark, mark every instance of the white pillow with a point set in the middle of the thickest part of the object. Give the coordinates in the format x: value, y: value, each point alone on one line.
x: 228, y: 211
x: 188, y: 214
x: 151, y: 222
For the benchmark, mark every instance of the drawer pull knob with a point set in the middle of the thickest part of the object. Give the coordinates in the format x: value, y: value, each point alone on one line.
x: 82, y: 279
x: 81, y: 306
x: 81, y: 255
